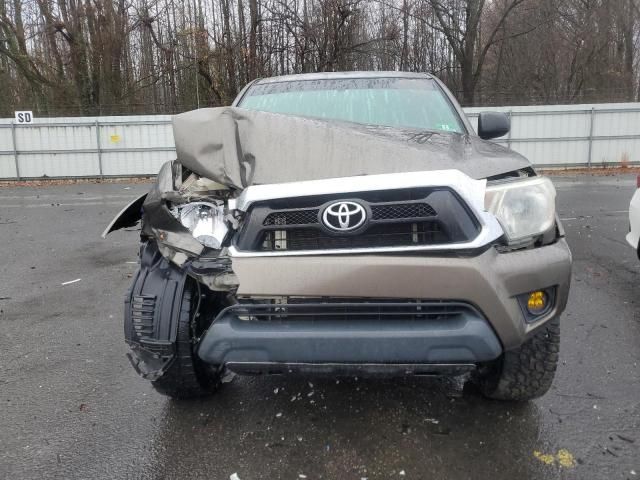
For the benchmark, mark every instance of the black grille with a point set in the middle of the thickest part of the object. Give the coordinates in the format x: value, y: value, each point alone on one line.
x: 390, y: 211
x: 385, y: 235
x: 396, y: 218
x: 402, y: 210
x: 351, y: 309
x: 292, y: 217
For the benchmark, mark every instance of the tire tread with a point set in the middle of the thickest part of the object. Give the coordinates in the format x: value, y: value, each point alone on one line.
x: 526, y: 372
x: 187, y: 377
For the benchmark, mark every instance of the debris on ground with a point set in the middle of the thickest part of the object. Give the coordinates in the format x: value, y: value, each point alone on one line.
x: 227, y: 377
x: 625, y: 439
x: 564, y: 458
x: 544, y: 457
x: 49, y: 182
x: 593, y: 171
x: 71, y: 281
x: 234, y: 476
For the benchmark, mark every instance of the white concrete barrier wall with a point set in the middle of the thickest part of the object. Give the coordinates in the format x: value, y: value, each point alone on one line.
x: 85, y: 146
x: 573, y: 135
x: 549, y: 136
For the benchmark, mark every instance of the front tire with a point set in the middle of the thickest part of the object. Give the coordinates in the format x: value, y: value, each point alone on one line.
x: 526, y: 372
x: 188, y: 376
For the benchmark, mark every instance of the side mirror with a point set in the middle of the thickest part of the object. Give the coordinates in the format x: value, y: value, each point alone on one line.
x: 493, y: 125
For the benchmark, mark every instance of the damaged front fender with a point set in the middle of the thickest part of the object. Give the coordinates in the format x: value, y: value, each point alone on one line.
x: 170, y: 257
x: 129, y: 216
x: 151, y: 205
x: 158, y: 222
x: 154, y: 301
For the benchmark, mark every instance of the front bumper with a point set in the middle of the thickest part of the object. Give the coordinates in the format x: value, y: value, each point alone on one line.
x: 420, y: 334
x: 490, y: 282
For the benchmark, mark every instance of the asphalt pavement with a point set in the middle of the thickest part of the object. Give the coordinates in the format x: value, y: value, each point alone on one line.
x: 72, y: 407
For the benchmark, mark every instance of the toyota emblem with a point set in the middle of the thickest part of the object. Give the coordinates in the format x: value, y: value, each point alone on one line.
x: 344, y: 216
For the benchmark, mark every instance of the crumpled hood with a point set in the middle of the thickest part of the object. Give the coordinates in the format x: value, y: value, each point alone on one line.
x: 239, y: 148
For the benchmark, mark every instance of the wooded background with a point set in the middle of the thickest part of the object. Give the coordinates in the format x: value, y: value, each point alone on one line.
x: 112, y: 57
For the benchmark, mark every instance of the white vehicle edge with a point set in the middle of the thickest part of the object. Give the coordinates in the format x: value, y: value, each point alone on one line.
x: 633, y: 237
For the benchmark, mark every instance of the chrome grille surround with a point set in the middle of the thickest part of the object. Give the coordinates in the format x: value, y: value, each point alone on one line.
x: 470, y: 191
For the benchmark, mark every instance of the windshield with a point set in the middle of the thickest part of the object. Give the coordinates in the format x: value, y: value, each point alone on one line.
x: 393, y: 102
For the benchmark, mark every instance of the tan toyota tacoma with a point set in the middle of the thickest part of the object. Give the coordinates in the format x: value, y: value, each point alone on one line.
x: 346, y: 224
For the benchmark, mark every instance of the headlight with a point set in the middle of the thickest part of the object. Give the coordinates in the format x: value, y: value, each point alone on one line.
x: 524, y: 208
x: 205, y: 221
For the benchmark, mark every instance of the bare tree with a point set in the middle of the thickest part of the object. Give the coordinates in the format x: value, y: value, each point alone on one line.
x: 68, y: 57
x: 460, y: 23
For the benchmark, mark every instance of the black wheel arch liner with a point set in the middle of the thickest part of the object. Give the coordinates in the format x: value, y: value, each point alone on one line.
x: 151, y: 312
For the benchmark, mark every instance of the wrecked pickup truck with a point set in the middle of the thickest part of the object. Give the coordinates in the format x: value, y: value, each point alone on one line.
x: 346, y: 224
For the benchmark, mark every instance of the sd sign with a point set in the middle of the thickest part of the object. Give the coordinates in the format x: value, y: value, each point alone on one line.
x: 24, y: 117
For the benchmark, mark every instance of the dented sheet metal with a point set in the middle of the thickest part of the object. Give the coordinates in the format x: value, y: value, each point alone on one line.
x: 239, y: 148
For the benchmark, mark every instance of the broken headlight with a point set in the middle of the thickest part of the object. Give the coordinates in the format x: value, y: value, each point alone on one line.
x: 205, y: 221
x: 525, y: 209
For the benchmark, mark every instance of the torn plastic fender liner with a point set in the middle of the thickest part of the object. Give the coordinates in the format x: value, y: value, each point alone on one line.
x: 152, y: 308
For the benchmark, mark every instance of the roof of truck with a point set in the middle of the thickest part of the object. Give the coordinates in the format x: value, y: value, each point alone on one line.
x: 340, y: 75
